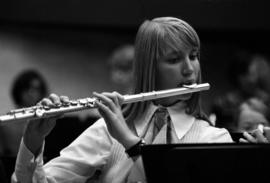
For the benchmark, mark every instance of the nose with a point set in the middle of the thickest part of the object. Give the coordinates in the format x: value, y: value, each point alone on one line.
x: 187, y: 68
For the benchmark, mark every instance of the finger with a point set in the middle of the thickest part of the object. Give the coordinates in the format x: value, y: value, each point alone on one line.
x: 267, y: 132
x: 104, y: 111
x: 249, y: 137
x: 112, y: 96
x: 260, y: 137
x: 241, y: 140
x: 64, y: 99
x: 105, y: 100
x: 266, y: 128
x: 46, y: 102
x: 39, y: 103
x: 55, y: 99
x: 119, y: 97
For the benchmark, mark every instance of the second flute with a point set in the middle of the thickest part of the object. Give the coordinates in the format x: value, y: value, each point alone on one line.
x: 37, y: 112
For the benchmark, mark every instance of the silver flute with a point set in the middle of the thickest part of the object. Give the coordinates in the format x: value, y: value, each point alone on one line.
x: 38, y: 112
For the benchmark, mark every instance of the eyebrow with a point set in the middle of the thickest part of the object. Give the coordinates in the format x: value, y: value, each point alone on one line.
x: 173, y: 52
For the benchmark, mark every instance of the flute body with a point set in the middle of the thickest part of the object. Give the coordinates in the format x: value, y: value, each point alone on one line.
x: 37, y: 112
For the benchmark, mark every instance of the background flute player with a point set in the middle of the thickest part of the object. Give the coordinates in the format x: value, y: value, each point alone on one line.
x: 167, y: 55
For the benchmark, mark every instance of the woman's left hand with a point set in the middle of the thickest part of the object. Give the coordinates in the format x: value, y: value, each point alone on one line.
x: 109, y: 108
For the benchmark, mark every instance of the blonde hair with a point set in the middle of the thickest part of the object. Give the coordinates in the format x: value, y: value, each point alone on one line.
x: 153, y: 37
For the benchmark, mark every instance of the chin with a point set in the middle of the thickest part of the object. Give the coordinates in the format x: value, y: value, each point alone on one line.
x: 173, y: 100
x: 185, y: 96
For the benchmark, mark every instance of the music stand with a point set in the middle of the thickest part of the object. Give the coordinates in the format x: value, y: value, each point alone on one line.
x: 211, y: 163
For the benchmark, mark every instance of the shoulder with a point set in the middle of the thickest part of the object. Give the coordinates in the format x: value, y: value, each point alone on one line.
x: 213, y: 134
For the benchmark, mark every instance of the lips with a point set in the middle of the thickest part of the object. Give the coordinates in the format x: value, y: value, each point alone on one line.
x: 188, y: 82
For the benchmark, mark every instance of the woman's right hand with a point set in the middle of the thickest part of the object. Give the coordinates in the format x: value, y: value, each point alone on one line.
x: 37, y: 130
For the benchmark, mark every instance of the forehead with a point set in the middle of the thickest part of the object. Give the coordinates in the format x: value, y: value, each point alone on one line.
x: 184, y: 51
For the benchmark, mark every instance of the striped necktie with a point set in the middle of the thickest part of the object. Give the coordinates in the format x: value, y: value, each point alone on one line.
x: 163, y: 132
x: 160, y: 130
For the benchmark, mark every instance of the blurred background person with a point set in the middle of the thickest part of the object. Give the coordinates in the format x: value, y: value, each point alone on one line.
x: 28, y: 88
x: 252, y: 113
x: 249, y: 74
x: 247, y: 105
x: 120, y: 66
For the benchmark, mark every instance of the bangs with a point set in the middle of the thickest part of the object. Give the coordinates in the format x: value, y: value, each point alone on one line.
x: 177, y: 37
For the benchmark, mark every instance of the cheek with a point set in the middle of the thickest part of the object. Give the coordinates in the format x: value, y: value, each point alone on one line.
x: 196, y: 67
x: 167, y: 76
x: 196, y: 70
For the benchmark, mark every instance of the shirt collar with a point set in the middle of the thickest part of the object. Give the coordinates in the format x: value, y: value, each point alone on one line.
x: 181, y: 120
x: 142, y: 121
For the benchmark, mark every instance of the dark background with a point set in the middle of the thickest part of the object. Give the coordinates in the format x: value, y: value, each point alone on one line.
x: 92, y: 27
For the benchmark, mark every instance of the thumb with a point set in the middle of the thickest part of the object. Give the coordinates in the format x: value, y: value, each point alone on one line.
x: 266, y: 131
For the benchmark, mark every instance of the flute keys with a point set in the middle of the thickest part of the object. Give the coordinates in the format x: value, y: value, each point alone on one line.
x: 91, y: 102
x: 66, y: 104
x: 73, y: 102
x: 45, y: 108
x: 39, y: 113
x: 83, y: 101
x: 87, y: 102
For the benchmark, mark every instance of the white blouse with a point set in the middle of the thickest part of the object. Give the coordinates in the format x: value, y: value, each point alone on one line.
x: 95, y: 154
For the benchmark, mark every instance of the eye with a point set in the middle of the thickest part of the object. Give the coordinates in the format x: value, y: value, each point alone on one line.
x: 173, y: 60
x: 193, y: 56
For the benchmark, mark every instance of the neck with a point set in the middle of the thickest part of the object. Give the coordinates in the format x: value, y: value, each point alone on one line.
x: 178, y: 105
